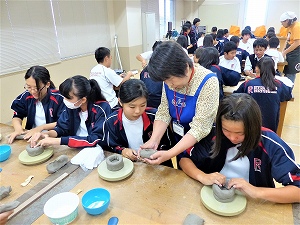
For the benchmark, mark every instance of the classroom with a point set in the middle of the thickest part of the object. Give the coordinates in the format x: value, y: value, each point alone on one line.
x: 69, y: 40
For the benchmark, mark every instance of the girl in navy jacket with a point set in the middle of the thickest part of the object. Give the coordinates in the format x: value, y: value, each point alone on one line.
x: 81, y: 123
x: 132, y: 125
x: 41, y: 104
x: 248, y: 155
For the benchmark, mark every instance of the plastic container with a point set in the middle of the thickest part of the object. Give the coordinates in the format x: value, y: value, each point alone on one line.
x: 96, y: 201
x: 5, y: 151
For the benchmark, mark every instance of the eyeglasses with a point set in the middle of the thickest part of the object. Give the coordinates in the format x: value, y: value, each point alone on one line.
x: 33, y: 89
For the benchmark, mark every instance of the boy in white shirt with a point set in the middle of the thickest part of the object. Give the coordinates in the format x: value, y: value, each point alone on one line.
x: 245, y: 42
x: 273, y: 52
x: 106, y: 77
x: 229, y: 60
x: 145, y: 56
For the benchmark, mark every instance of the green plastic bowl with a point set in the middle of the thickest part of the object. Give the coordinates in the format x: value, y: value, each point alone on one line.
x: 62, y: 208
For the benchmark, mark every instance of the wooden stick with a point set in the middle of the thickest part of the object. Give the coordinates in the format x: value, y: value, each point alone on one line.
x: 38, y: 194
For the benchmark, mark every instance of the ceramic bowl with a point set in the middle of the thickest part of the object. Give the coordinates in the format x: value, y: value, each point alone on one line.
x: 62, y: 208
x: 5, y: 151
x: 96, y: 201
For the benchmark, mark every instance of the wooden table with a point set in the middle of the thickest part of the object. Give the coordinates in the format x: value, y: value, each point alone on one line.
x: 163, y: 195
x: 280, y: 66
x: 283, y: 105
x: 14, y: 173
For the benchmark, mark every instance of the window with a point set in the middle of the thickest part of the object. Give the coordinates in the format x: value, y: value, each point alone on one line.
x: 166, y: 14
x: 256, y: 11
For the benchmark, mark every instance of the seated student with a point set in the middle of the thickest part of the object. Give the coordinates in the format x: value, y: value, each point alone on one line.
x: 226, y: 35
x: 241, y: 54
x: 214, y: 30
x: 270, y: 29
x: 268, y: 92
x: 145, y: 56
x: 209, y: 59
x: 229, y: 60
x: 218, y: 44
x: 273, y: 52
x: 106, y: 77
x: 269, y: 35
x: 183, y: 42
x: 239, y: 142
x: 208, y: 41
x: 81, y: 124
x: 130, y: 126
x: 220, y: 36
x: 40, y: 103
x: 154, y: 89
x: 251, y: 34
x: 260, y: 46
x: 245, y: 43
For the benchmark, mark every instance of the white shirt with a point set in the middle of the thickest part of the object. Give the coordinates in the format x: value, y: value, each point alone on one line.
x: 238, y: 168
x: 248, y: 64
x: 233, y: 64
x: 40, y: 117
x: 107, y: 79
x: 134, y: 132
x: 200, y: 42
x: 276, y: 55
x: 247, y: 46
x: 82, y: 130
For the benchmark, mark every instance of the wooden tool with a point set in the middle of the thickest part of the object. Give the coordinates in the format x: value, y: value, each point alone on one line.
x: 38, y: 194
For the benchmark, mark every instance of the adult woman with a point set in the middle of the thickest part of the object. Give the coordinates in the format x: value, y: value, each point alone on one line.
x: 189, y: 100
x: 249, y: 156
x: 41, y: 104
x: 292, y: 48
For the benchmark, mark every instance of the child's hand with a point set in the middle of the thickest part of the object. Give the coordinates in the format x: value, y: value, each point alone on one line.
x: 13, y: 135
x: 244, y: 186
x: 130, y: 154
x: 213, y: 178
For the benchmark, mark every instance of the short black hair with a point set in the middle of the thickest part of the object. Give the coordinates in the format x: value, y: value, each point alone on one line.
x: 271, y: 34
x: 225, y: 31
x: 214, y: 29
x: 260, y: 42
x: 196, y: 20
x: 273, y: 42
x: 229, y: 46
x: 235, y: 39
x: 245, y: 32
x: 132, y: 89
x: 101, y: 53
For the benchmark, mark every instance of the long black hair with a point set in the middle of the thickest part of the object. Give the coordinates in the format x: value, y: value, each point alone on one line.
x: 209, y: 57
x: 81, y: 87
x: 267, y: 73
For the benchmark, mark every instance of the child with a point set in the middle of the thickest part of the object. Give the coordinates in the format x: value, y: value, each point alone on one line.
x: 40, y: 103
x: 214, y: 30
x: 246, y: 154
x: 208, y: 41
x: 245, y: 43
x: 273, y: 52
x: 130, y: 126
x: 81, y: 124
x: 183, y: 42
x: 106, y: 77
x: 229, y: 60
x: 209, y: 59
x: 260, y: 46
x: 145, y: 56
x: 186, y: 29
x: 226, y: 35
x: 268, y: 92
x: 241, y: 54
x: 200, y: 39
x: 218, y: 44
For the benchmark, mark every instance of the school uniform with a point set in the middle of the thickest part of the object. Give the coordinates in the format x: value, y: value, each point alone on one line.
x: 241, y: 54
x: 69, y: 122
x: 268, y: 101
x: 273, y: 158
x: 252, y: 60
x: 226, y: 77
x: 233, y: 64
x: 115, y: 133
x: 25, y: 106
x: 154, y: 89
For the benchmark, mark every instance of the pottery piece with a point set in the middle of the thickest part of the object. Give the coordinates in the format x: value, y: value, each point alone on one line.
x: 114, y: 162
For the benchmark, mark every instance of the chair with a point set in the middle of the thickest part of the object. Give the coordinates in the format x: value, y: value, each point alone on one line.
x: 234, y: 30
x: 260, y: 31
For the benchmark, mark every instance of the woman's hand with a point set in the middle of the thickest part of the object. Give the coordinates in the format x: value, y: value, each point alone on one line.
x: 13, y: 135
x: 4, y: 216
x: 129, y: 153
x: 244, y: 186
x: 158, y: 158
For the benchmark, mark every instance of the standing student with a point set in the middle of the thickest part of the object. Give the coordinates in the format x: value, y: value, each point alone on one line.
x: 249, y: 156
x: 131, y: 126
x: 268, y: 92
x: 186, y: 29
x: 260, y: 46
x: 189, y: 100
x: 40, y: 103
x: 106, y: 77
x: 81, y: 124
x: 194, y: 35
x: 229, y: 60
x: 292, y: 48
x: 209, y: 59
